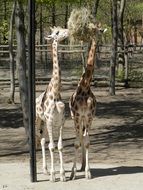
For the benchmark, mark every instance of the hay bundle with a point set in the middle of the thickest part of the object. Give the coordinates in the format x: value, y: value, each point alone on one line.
x: 81, y: 24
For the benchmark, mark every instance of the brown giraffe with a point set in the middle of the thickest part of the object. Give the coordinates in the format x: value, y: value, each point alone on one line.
x: 50, y: 108
x: 82, y: 105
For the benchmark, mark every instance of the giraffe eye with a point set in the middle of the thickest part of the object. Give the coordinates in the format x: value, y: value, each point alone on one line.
x: 57, y: 33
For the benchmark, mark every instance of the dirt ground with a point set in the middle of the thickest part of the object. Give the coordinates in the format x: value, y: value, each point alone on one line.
x: 116, y: 139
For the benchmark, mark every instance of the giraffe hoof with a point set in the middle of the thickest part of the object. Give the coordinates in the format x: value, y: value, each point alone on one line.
x: 82, y: 168
x: 45, y: 171
x: 88, y: 175
x: 52, y: 177
x: 73, y: 175
x: 62, y: 178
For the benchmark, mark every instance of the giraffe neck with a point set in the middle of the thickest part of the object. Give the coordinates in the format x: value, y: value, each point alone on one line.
x: 55, y: 82
x: 86, y: 78
x: 91, y: 54
x: 56, y: 68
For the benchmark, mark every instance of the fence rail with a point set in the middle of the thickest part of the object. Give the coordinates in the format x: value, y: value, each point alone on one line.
x: 75, y: 48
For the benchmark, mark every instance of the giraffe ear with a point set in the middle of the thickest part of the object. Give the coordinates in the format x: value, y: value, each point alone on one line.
x: 47, y: 36
x: 105, y: 30
x: 51, y: 28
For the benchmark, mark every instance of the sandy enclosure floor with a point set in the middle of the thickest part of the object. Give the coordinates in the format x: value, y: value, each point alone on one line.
x: 116, y: 139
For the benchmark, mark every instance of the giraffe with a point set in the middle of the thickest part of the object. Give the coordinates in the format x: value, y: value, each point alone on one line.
x: 83, y: 106
x: 50, y: 108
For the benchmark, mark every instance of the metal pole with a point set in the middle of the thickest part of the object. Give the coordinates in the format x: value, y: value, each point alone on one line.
x: 31, y: 77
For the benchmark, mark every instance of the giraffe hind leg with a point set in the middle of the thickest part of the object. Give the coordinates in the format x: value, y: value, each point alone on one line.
x: 60, y: 149
x: 60, y: 110
x: 83, y: 162
x: 74, y: 168
x: 38, y: 127
x: 86, y: 144
x: 76, y: 146
x: 83, y: 157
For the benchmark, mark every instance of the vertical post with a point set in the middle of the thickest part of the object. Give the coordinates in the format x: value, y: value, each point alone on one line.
x: 31, y: 77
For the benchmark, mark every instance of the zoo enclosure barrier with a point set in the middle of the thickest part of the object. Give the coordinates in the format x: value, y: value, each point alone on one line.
x: 72, y: 59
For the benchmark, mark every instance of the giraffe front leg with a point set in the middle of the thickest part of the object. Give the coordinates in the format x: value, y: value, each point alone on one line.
x: 76, y: 145
x: 83, y: 156
x: 87, y: 168
x: 60, y: 148
x: 51, y: 149
x: 52, y: 171
x: 44, y: 156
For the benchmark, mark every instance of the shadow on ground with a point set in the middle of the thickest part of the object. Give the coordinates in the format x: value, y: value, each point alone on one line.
x: 120, y: 108
x: 11, y: 118
x: 102, y: 172
x: 129, y: 132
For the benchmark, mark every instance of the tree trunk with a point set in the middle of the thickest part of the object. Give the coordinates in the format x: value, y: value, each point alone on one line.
x: 53, y: 14
x: 95, y: 7
x: 5, y: 18
x: 21, y: 62
x: 66, y: 14
x: 11, y: 55
x: 5, y: 9
x: 41, y: 24
x: 41, y: 33
x: 114, y: 48
x: 121, y: 57
x: 94, y: 11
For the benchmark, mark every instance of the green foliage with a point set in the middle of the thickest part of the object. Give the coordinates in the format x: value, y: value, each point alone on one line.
x: 104, y: 12
x: 107, y: 36
x: 57, y: 1
x: 120, y: 75
x: 134, y: 10
x: 136, y: 76
x: 4, y: 31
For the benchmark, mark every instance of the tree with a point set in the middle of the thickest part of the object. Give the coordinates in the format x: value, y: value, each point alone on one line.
x: 121, y: 58
x: 11, y: 55
x: 114, y: 47
x: 95, y: 7
x: 21, y: 62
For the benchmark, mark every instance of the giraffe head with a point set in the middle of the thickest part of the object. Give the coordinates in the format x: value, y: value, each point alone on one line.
x: 58, y: 34
x: 97, y: 31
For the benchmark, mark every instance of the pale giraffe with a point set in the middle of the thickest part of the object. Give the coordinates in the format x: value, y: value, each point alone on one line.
x: 50, y: 108
x: 83, y: 105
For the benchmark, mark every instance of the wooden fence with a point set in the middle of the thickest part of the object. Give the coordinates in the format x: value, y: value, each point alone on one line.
x: 72, y: 58
x: 43, y: 53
